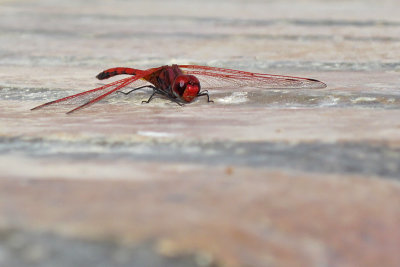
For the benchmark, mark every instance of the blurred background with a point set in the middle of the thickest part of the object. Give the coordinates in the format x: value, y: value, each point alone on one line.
x: 306, y: 177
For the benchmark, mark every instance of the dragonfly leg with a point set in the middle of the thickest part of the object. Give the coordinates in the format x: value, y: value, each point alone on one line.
x: 171, y: 98
x: 127, y: 93
x: 174, y: 100
x: 205, y: 92
x: 134, y: 89
x: 155, y: 91
x: 163, y: 93
x: 148, y: 100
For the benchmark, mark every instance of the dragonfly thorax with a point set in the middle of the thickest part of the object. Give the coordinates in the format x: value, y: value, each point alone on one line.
x: 186, y: 87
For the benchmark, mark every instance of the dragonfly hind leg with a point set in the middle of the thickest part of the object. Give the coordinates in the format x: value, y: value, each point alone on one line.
x: 134, y: 89
x: 205, y: 92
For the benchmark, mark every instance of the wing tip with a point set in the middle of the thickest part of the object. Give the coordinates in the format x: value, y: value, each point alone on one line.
x: 43, y: 105
x: 310, y: 83
x: 318, y: 84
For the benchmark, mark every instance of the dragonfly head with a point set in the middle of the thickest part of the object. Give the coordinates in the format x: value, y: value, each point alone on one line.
x: 186, y: 87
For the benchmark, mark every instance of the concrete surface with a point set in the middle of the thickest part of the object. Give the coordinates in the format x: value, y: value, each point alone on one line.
x: 258, y: 178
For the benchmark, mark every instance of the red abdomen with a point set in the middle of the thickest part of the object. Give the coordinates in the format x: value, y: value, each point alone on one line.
x: 116, y: 71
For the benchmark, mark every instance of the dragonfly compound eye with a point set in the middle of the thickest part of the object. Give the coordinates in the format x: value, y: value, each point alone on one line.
x: 186, y: 87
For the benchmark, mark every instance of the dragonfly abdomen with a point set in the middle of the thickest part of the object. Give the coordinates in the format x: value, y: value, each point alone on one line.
x: 116, y: 71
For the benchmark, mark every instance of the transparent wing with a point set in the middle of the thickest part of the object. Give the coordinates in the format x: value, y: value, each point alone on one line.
x: 89, y: 97
x: 211, y: 77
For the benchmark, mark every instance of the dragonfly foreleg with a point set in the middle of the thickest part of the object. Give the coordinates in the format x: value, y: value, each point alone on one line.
x: 205, y: 92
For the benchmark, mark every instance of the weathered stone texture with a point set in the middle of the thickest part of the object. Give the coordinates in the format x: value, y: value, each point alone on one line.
x: 258, y: 178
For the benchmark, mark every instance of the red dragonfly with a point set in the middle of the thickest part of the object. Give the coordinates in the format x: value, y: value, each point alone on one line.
x: 181, y: 83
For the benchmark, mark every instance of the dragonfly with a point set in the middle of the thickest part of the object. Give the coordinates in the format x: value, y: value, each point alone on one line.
x: 181, y: 83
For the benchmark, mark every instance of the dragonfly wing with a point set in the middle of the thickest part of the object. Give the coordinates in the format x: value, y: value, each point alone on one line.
x: 211, y: 77
x: 89, y: 97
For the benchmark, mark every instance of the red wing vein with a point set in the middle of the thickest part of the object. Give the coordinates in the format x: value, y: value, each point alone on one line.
x: 92, y: 96
x: 103, y: 95
x: 224, y: 78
